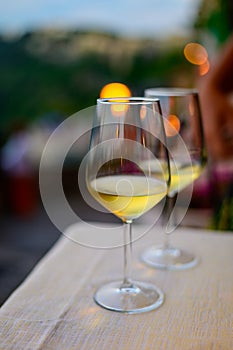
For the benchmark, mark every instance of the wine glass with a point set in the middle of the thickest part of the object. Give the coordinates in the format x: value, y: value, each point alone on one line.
x: 185, y: 140
x: 127, y: 132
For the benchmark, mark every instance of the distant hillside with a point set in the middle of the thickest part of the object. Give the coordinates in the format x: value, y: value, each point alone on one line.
x: 62, y: 72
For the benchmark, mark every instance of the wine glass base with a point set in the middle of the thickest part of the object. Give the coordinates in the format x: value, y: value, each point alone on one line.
x: 169, y: 258
x: 136, y: 298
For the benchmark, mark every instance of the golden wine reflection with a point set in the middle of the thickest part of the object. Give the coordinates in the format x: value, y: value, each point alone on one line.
x: 96, y: 316
x: 89, y: 311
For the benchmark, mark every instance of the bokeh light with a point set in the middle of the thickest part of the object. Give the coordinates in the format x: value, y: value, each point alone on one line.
x: 115, y: 90
x: 119, y: 109
x: 172, y: 125
x: 195, y: 53
x: 204, y: 68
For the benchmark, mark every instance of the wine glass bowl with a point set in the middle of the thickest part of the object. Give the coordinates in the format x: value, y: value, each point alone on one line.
x: 126, y: 133
x: 185, y: 140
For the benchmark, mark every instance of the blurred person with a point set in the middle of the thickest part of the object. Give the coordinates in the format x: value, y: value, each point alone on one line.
x: 216, y: 97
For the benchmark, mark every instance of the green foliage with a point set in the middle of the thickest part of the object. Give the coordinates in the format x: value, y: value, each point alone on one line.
x: 36, y: 81
x: 216, y: 18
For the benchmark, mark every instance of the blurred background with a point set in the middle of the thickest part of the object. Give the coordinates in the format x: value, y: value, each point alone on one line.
x: 55, y: 57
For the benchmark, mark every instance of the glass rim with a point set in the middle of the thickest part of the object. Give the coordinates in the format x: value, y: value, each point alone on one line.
x: 128, y: 100
x: 170, y: 91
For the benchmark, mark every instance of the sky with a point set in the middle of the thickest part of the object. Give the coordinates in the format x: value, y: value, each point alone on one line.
x: 153, y: 18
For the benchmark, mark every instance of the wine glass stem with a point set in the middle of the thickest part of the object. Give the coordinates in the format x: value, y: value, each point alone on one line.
x: 169, y: 219
x: 127, y: 282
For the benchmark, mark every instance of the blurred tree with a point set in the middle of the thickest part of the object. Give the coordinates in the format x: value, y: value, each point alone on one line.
x: 216, y: 18
x: 43, y: 72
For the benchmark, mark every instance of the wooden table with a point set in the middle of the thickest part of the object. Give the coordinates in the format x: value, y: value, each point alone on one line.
x: 54, y: 308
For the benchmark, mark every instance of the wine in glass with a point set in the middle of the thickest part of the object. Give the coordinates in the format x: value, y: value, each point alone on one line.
x: 183, y: 125
x: 127, y: 132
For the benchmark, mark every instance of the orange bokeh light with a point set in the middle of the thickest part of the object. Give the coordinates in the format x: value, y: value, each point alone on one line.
x: 115, y: 90
x: 195, y: 53
x: 172, y: 125
x: 204, y: 68
x: 112, y: 90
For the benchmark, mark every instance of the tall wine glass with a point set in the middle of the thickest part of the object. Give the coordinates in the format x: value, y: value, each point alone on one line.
x: 126, y: 133
x: 184, y: 131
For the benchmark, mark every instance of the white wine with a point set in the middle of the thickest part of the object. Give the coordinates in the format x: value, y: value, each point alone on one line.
x: 182, y: 176
x: 128, y: 196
